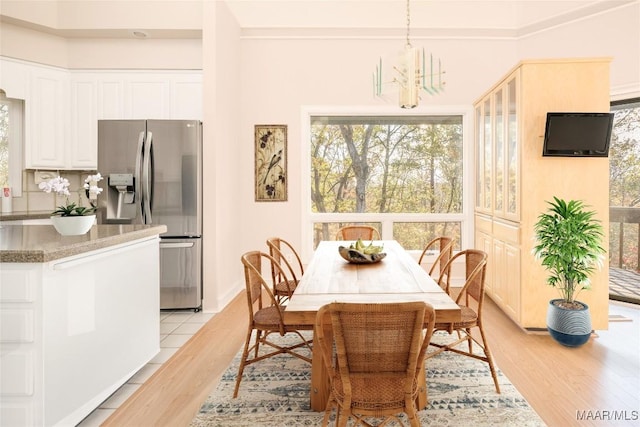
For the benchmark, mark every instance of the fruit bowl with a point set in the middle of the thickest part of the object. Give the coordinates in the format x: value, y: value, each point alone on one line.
x: 358, y: 257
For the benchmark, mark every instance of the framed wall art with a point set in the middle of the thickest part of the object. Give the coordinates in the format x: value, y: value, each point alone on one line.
x: 270, y: 163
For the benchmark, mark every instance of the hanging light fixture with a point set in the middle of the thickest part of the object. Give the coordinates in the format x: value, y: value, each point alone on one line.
x: 410, y: 76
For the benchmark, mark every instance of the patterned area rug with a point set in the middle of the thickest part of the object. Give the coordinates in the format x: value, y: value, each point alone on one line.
x: 275, y: 392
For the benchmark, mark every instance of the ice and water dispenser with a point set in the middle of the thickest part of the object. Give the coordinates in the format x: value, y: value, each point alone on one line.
x: 121, y: 196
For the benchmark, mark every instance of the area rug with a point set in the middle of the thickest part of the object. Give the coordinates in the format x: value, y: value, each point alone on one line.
x: 275, y: 392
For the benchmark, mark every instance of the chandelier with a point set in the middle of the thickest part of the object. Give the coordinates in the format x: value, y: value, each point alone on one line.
x: 412, y: 75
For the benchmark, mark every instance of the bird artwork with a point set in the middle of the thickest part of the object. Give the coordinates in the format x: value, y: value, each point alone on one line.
x: 275, y: 159
x: 270, y: 171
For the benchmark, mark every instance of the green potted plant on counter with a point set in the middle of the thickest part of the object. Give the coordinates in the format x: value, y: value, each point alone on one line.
x: 569, y: 244
x: 72, y: 219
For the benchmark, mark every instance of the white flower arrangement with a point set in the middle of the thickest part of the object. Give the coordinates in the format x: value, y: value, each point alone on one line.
x: 60, y: 186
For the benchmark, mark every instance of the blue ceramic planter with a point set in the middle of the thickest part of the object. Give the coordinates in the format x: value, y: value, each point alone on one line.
x: 571, y: 328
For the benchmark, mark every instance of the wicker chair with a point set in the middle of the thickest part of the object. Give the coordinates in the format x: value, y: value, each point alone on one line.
x: 470, y: 299
x: 355, y: 232
x: 445, y: 246
x: 265, y: 319
x: 279, y: 249
x: 379, y: 350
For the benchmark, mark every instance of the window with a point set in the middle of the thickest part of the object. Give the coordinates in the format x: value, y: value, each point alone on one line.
x: 403, y: 174
x: 624, y: 187
x: 11, y: 113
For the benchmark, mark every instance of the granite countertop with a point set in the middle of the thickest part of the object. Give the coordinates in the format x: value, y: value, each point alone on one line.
x: 22, y: 215
x: 42, y: 243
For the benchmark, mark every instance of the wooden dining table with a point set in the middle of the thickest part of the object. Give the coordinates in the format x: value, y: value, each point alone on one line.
x: 329, y: 278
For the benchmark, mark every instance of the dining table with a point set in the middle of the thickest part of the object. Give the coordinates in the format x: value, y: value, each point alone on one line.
x: 329, y: 278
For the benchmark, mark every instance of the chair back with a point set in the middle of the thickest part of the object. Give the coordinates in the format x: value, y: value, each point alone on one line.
x: 258, y: 291
x: 475, y: 275
x: 445, y: 247
x: 355, y: 232
x: 279, y: 249
x: 374, y: 341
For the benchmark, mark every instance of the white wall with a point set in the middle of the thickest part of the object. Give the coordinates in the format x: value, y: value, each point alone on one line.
x: 224, y: 227
x: 280, y: 77
x: 614, y: 34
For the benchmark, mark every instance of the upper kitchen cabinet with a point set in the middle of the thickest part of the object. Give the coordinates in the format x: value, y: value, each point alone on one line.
x: 46, y: 119
x: 14, y: 78
x: 150, y: 95
x: 83, y: 130
x: 62, y: 107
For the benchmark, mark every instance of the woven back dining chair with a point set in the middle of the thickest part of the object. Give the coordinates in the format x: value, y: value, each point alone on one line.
x: 265, y: 316
x: 444, y: 246
x: 373, y: 354
x: 355, y: 232
x: 289, y: 260
x: 470, y: 300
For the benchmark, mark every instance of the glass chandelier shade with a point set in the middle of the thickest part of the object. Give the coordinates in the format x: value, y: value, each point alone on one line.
x: 410, y: 77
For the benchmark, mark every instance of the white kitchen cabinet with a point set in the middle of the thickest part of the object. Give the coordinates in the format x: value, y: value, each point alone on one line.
x: 62, y: 107
x: 74, y: 330
x: 83, y: 146
x: 46, y: 119
x: 14, y: 78
x: 150, y: 95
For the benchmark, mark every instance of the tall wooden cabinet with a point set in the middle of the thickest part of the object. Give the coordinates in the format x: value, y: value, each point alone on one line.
x: 514, y: 180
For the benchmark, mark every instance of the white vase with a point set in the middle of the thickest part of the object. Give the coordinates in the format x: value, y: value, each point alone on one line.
x: 73, y: 225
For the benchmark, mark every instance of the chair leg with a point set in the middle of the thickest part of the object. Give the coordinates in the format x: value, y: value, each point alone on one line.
x: 245, y: 355
x: 259, y: 339
x: 412, y: 415
x: 487, y: 353
x: 343, y: 417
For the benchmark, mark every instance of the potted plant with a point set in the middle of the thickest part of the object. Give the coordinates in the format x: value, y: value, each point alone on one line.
x: 569, y: 244
x: 72, y: 219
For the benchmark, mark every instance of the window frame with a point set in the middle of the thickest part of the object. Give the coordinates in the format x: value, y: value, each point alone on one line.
x: 387, y: 219
x: 16, y: 139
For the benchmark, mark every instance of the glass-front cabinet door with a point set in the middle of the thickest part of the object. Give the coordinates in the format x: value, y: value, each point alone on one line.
x: 487, y: 156
x: 499, y: 149
x: 512, y: 164
x: 478, y: 156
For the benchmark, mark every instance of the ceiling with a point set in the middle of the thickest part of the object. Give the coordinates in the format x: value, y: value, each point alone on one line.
x: 157, y: 18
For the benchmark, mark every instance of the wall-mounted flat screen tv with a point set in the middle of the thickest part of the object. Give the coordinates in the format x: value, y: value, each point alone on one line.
x: 577, y: 134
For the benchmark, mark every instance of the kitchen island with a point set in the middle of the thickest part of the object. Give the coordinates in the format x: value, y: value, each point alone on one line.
x: 79, y: 315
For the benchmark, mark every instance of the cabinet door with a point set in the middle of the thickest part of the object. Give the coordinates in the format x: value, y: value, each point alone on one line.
x: 14, y: 79
x: 479, y: 149
x: 46, y: 119
x: 83, y: 124
x: 512, y: 155
x: 498, y: 152
x: 498, y: 274
x: 487, y: 162
x: 483, y: 242
x: 512, y: 281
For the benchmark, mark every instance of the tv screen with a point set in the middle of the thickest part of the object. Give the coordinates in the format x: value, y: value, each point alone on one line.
x: 577, y: 134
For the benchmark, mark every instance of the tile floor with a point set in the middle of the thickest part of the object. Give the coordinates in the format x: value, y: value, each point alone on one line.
x: 176, y: 327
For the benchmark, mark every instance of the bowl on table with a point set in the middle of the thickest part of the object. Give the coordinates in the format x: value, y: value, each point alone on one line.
x: 359, y: 257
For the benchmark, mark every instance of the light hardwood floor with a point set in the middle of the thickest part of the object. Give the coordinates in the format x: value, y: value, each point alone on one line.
x: 598, y: 380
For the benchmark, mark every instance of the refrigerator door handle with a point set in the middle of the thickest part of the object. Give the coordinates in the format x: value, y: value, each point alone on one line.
x: 138, y: 174
x: 147, y: 179
x: 175, y: 245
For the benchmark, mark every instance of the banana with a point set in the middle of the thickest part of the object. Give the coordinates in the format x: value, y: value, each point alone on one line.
x: 369, y: 249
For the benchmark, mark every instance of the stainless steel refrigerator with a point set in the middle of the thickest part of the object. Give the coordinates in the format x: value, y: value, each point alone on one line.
x: 153, y: 173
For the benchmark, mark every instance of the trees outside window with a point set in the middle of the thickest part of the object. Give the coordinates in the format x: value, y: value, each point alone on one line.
x: 624, y: 185
x: 402, y: 174
x: 11, y: 141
